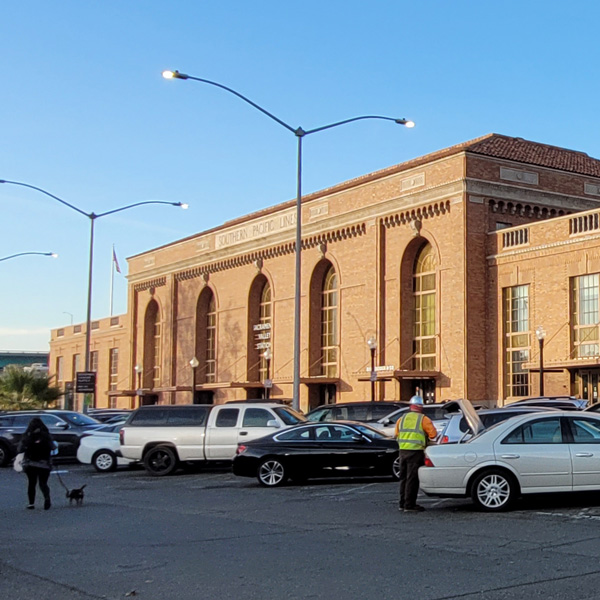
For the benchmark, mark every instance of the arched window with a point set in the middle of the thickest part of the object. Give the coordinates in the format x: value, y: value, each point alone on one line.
x: 206, y: 336
x: 265, y: 320
x: 152, y: 346
x: 424, y: 306
x: 329, y: 324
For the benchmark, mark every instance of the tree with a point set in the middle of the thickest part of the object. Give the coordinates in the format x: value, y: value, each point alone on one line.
x: 22, y: 390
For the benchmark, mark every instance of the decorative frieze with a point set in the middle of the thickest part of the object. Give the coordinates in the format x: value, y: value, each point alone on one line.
x: 417, y: 214
x: 151, y: 283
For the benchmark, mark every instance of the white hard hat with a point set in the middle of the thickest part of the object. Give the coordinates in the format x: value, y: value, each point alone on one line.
x: 416, y: 400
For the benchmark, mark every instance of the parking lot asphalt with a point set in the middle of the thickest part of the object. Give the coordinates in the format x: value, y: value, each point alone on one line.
x: 212, y: 535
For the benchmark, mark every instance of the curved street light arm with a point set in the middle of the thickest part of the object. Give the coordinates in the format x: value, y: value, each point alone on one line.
x: 178, y: 75
x: 33, y: 187
x: 26, y: 253
x: 399, y: 121
x: 116, y: 210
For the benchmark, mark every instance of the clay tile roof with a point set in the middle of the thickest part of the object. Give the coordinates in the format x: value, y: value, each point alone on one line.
x: 533, y: 153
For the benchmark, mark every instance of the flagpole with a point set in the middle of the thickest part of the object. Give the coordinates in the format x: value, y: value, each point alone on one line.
x: 112, y: 278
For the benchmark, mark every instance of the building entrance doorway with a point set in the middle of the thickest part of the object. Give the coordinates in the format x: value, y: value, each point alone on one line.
x: 586, y: 384
x: 425, y: 388
x: 204, y: 397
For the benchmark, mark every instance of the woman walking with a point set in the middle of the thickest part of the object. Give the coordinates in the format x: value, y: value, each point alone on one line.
x: 37, y: 444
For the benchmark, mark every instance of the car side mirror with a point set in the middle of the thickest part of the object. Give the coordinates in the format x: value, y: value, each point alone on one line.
x: 62, y: 426
x: 358, y: 438
x: 273, y: 423
x: 386, y: 421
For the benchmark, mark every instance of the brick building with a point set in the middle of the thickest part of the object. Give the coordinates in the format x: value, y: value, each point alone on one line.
x: 450, y: 261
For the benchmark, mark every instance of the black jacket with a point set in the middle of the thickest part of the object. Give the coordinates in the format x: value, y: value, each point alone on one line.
x: 37, y: 446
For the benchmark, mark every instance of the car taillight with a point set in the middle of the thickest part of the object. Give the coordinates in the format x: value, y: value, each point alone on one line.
x: 428, y: 462
x: 241, y: 449
x: 445, y: 439
x: 121, y: 437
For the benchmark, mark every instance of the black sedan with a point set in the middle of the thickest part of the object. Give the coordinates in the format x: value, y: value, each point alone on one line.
x: 340, y: 448
x: 65, y: 426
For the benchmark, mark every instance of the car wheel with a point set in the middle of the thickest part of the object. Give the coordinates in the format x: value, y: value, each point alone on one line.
x: 396, y: 468
x: 160, y: 460
x: 271, y: 473
x: 494, y: 490
x: 4, y: 456
x: 104, y: 460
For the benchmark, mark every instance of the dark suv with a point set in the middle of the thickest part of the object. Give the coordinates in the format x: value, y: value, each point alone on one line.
x: 65, y: 426
x: 365, y: 412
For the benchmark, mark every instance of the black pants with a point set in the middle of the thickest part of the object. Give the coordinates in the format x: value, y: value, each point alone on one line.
x: 35, y: 475
x: 410, y: 461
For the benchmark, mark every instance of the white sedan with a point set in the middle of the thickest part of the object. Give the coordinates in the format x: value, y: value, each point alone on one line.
x: 101, y: 449
x: 529, y: 454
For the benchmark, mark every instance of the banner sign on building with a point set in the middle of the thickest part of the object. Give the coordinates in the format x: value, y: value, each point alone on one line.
x: 262, y: 334
x: 85, y: 382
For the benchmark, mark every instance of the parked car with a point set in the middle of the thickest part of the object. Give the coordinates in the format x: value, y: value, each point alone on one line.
x: 557, y: 451
x: 164, y: 436
x: 558, y: 402
x: 457, y: 428
x: 595, y: 407
x: 343, y: 448
x: 365, y: 412
x: 65, y: 426
x: 439, y: 414
x: 101, y: 448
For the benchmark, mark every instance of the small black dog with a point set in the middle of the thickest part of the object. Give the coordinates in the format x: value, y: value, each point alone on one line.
x: 76, y: 495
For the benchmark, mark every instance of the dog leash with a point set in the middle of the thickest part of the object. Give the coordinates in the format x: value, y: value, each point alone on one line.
x: 60, y: 478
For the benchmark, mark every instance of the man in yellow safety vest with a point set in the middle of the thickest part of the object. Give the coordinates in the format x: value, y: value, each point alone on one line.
x: 412, y: 431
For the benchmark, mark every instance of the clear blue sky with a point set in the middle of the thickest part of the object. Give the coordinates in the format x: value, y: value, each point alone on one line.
x: 86, y: 115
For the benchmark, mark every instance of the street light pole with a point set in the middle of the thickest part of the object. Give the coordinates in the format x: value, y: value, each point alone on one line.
x: 194, y: 364
x: 541, y: 335
x: 267, y: 356
x: 138, y: 371
x: 372, y: 343
x: 92, y: 217
x: 52, y: 254
x: 300, y: 133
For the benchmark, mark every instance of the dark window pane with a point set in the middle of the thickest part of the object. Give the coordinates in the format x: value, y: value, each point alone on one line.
x: 227, y: 417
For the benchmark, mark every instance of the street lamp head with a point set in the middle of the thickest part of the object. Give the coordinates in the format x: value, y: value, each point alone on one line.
x: 372, y: 342
x: 138, y: 368
x: 540, y: 332
x: 52, y: 254
x: 405, y: 122
x: 268, y: 354
x: 194, y: 363
x: 183, y: 205
x: 174, y: 75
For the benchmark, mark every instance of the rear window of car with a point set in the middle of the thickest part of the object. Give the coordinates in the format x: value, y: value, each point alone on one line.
x: 77, y: 419
x: 173, y: 417
x: 289, y: 416
x: 370, y: 432
x: 546, y: 431
x: 436, y: 413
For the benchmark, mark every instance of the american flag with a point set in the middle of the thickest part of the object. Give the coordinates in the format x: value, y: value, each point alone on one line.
x: 118, y: 269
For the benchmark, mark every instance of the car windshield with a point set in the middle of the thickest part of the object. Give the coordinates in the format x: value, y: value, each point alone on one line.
x: 370, y: 432
x: 79, y: 419
x: 289, y: 416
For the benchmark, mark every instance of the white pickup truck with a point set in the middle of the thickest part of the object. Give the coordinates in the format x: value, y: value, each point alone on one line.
x: 164, y: 436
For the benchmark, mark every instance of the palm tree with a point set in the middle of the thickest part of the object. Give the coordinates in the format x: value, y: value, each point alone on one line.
x: 21, y: 390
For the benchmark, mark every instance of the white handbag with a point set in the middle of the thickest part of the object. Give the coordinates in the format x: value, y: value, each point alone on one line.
x: 18, y: 462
